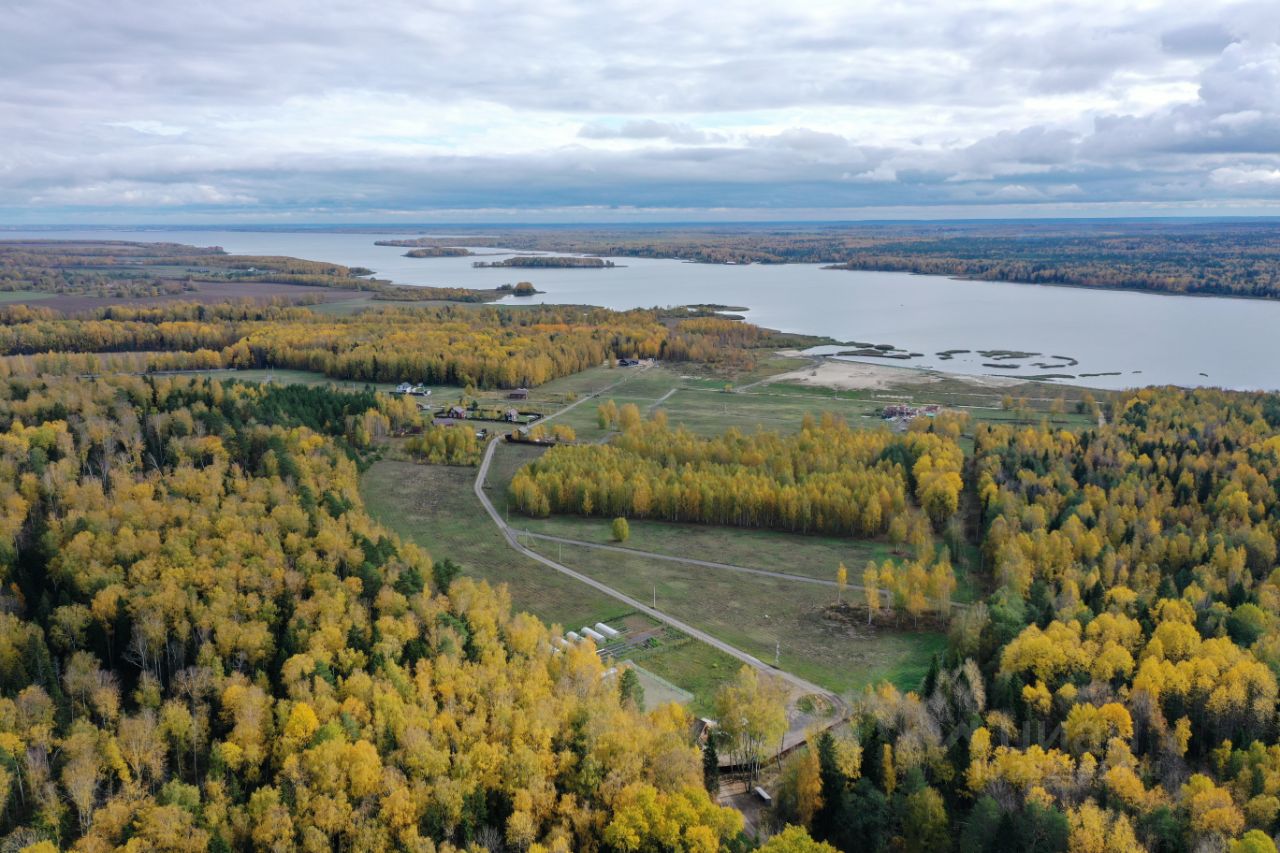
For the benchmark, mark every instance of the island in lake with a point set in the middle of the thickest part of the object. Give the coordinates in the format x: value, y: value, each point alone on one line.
x: 426, y: 247
x: 520, y: 288
x: 439, y: 252
x: 557, y: 261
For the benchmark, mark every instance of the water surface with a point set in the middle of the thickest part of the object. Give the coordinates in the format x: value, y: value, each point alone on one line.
x: 1144, y: 338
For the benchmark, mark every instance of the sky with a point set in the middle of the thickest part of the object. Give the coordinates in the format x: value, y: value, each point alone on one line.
x: 278, y: 111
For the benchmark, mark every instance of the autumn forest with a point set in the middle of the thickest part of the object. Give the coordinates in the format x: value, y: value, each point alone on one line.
x: 207, y: 642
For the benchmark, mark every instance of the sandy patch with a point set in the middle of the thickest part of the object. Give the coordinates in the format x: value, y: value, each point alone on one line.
x: 843, y: 375
x: 854, y: 376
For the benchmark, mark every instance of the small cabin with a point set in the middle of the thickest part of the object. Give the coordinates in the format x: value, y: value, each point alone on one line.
x: 763, y: 795
x: 518, y: 394
x: 702, y: 729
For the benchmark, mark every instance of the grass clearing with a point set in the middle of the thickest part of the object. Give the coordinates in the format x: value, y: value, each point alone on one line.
x: 813, y: 556
x: 434, y: 506
x: 690, y: 664
x: 763, y: 615
x: 658, y: 690
x: 24, y: 296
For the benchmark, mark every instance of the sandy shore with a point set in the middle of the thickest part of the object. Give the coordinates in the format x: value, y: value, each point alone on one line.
x: 842, y: 375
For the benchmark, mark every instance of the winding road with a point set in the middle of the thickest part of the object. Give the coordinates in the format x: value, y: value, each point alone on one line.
x: 793, y: 738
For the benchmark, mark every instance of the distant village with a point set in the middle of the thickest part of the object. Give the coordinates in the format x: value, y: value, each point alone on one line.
x: 902, y: 413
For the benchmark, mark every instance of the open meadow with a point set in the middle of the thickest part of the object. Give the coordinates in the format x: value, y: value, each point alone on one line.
x: 434, y: 507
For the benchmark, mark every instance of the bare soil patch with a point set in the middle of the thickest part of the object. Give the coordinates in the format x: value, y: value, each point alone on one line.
x: 859, y: 376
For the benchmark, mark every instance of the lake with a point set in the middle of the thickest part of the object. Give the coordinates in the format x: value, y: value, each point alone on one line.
x: 1134, y: 338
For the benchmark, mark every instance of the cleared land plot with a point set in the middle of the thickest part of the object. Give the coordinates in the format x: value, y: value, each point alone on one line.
x: 704, y: 407
x: 775, y: 551
x: 793, y: 553
x: 709, y: 412
x: 434, y: 506
x: 659, y: 691
x: 690, y: 664
x: 759, y: 615
x: 24, y: 296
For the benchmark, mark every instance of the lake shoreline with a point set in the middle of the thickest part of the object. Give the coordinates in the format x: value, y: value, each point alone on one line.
x: 1108, y: 331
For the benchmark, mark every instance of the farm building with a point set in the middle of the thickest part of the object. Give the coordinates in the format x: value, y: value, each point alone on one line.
x: 905, y: 412
x: 518, y: 394
x: 414, y: 390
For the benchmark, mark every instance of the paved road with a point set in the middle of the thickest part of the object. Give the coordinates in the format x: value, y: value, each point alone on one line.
x: 510, y: 534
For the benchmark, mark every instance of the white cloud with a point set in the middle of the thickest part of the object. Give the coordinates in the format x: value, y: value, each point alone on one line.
x: 1233, y: 176
x: 339, y: 105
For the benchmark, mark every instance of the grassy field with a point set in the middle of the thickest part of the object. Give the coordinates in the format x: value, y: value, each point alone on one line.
x: 763, y: 615
x: 434, y: 506
x: 811, y: 556
x: 690, y: 664
x: 658, y: 690
x: 359, y: 301
x: 704, y: 406
x: 732, y: 606
x: 24, y: 296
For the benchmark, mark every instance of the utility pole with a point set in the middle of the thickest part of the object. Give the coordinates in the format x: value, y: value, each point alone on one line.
x: 777, y: 651
x: 655, y: 596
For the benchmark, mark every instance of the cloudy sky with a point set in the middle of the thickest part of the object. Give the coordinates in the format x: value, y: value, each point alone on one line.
x: 289, y: 111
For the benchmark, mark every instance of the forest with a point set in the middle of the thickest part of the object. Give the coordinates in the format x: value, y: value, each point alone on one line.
x: 548, y: 262
x: 1115, y: 689
x: 206, y: 644
x: 826, y: 478
x: 199, y: 622
x: 454, y: 345
x: 142, y: 271
x: 1224, y: 257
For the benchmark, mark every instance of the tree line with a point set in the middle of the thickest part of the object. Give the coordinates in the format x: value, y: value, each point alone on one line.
x: 480, y: 347
x: 1117, y: 689
x: 207, y: 644
x: 826, y: 478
